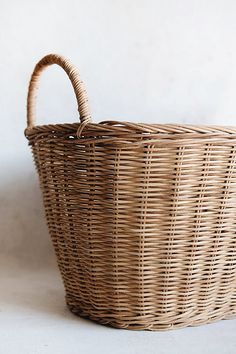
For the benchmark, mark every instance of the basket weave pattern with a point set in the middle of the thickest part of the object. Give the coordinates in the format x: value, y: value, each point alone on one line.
x: 142, y: 217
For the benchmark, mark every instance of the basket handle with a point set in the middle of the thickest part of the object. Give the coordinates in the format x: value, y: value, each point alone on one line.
x: 78, y: 85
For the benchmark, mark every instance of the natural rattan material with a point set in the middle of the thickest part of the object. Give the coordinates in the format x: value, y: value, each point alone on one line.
x: 142, y: 217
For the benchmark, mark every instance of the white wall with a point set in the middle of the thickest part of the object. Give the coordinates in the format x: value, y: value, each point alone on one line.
x: 141, y: 60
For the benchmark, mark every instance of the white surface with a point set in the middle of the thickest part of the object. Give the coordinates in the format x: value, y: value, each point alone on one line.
x: 34, y: 319
x: 141, y: 60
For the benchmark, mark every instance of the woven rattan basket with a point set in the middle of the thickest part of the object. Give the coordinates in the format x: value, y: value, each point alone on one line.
x: 142, y: 217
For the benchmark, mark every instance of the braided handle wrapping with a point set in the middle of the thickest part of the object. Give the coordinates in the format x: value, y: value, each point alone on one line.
x: 78, y: 85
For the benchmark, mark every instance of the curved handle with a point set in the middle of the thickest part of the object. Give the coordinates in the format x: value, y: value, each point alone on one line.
x: 78, y: 85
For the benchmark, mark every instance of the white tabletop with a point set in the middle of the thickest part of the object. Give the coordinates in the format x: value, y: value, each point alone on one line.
x: 34, y: 319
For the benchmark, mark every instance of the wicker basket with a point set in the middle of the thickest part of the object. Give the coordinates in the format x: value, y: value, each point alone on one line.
x: 142, y: 217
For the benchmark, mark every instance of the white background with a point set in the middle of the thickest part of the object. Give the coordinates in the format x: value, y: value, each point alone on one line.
x: 146, y: 61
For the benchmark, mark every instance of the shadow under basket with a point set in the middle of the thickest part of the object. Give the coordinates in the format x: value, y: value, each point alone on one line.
x: 142, y: 217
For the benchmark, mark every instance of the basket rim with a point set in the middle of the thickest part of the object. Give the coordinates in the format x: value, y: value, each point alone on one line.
x: 110, y: 126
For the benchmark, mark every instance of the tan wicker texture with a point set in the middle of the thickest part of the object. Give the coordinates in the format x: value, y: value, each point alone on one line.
x: 142, y: 217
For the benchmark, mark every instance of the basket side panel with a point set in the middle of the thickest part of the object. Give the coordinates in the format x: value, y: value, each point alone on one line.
x: 144, y: 235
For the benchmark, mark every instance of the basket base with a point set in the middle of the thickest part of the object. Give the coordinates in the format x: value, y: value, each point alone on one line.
x: 138, y: 325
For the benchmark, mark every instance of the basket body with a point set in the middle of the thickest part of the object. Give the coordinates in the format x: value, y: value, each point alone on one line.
x: 142, y: 219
